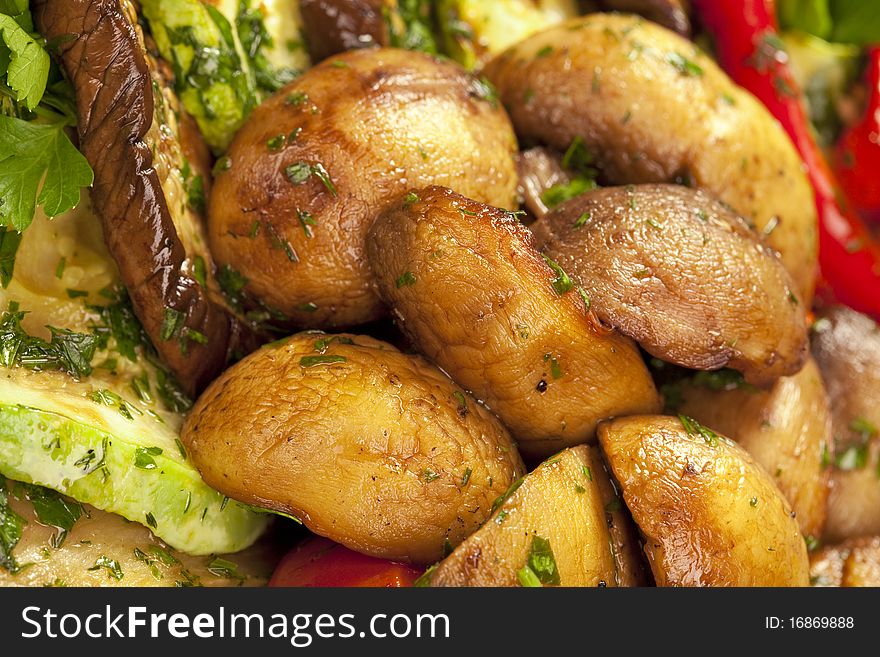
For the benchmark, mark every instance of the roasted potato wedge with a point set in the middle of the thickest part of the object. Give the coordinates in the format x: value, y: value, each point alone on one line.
x: 846, y: 346
x: 313, y: 166
x: 103, y: 549
x: 568, y: 506
x: 786, y: 429
x: 853, y: 563
x: 650, y: 107
x: 682, y: 275
x: 375, y: 449
x: 467, y: 286
x: 709, y: 514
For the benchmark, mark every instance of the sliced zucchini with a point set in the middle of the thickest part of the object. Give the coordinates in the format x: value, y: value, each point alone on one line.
x: 101, y: 449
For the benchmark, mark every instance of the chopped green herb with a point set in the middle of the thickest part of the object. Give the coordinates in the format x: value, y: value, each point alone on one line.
x: 59, y: 270
x: 466, y: 477
x: 694, y: 428
x: 429, y: 475
x: 555, y: 369
x: 853, y: 457
x: 562, y: 283
x: 200, y: 271
x: 11, y: 525
x: 587, y: 472
x: 296, y: 98
x: 114, y: 570
x: 171, y: 323
x: 558, y: 194
x: 410, y: 198
x: 684, y: 65
x: 542, y: 562
x: 753, y: 502
x: 306, y: 220
x: 527, y: 578
x: 53, y: 510
x: 308, y: 307
x: 151, y: 520
x: 143, y: 457
x: 276, y: 143
x: 584, y: 298
x: 224, y: 568
x: 407, y: 278
x: 582, y: 220
x: 221, y: 165
x: 544, y: 52
x: 462, y: 401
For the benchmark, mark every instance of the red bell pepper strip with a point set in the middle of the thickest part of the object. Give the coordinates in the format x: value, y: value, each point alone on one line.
x: 319, y: 562
x: 749, y: 50
x: 857, y: 155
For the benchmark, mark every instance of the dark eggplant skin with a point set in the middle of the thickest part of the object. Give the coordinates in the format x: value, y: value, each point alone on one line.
x: 102, y: 56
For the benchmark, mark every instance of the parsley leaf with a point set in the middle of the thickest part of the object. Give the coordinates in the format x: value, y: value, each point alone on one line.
x: 38, y: 159
x: 28, y: 64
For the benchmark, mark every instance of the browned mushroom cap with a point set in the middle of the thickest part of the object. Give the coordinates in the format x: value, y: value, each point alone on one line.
x: 786, y: 429
x: 155, y: 245
x: 846, y: 346
x: 710, y: 516
x: 569, y: 504
x: 334, y: 26
x: 312, y: 166
x: 683, y: 275
x: 650, y: 107
x: 467, y: 286
x: 668, y: 13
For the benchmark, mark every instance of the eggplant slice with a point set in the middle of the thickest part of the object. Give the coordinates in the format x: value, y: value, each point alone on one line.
x: 157, y: 240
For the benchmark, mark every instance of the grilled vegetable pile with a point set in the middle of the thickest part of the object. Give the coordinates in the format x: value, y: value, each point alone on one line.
x: 511, y: 293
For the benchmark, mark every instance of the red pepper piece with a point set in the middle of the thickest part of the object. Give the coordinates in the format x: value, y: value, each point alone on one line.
x: 749, y: 49
x: 319, y: 562
x: 857, y: 155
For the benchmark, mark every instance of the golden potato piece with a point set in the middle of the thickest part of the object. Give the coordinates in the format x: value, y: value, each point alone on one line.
x: 308, y: 172
x: 467, y: 286
x: 710, y: 516
x: 846, y: 346
x: 853, y: 563
x: 786, y: 429
x: 103, y: 549
x: 566, y: 506
x: 650, y: 107
x: 375, y: 449
x: 682, y: 275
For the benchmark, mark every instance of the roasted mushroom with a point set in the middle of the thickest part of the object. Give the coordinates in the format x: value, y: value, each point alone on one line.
x: 846, y: 346
x: 466, y: 285
x: 563, y: 524
x: 370, y: 447
x: 313, y: 166
x: 786, y: 429
x: 683, y: 276
x: 709, y: 514
x: 131, y: 136
x: 650, y: 107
